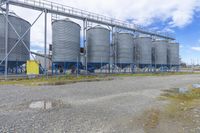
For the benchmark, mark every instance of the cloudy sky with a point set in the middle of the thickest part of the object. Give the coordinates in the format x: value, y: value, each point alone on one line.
x: 180, y: 17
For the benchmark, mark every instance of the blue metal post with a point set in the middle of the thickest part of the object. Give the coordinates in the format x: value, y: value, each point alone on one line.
x: 52, y: 68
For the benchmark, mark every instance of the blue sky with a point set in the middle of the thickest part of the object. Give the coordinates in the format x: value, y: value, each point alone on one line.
x: 188, y: 36
x: 189, y: 39
x: 181, y: 17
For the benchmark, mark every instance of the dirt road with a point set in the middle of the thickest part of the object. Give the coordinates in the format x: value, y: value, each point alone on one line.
x: 88, y: 107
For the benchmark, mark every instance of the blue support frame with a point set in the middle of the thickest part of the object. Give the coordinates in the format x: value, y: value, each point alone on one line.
x: 13, y: 65
x: 145, y: 66
x: 93, y: 66
x: 64, y: 66
x: 123, y: 65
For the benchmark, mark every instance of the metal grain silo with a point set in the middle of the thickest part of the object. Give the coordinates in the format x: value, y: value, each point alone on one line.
x: 173, y: 54
x: 125, y: 44
x: 66, y: 41
x: 98, y: 45
x: 144, y: 51
x: 160, y: 52
x: 20, y: 54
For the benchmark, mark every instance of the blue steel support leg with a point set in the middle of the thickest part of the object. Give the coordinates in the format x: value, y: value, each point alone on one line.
x: 56, y: 68
x: 178, y: 68
x: 132, y: 68
x: 52, y: 69
x: 150, y: 68
x: 21, y: 69
x: 77, y: 68
x: 161, y: 68
x: 101, y: 68
x: 64, y: 69
x: 16, y: 72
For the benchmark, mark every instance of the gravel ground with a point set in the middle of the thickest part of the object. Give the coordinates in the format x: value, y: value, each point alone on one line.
x: 89, y: 107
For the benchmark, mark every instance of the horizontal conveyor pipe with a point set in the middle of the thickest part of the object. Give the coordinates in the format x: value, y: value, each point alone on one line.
x: 63, y: 10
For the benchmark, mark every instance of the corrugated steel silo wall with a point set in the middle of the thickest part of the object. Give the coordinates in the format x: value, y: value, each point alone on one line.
x: 125, y: 44
x: 161, y: 52
x: 173, y: 54
x: 144, y: 50
x: 98, y: 45
x: 66, y: 41
x: 20, y: 53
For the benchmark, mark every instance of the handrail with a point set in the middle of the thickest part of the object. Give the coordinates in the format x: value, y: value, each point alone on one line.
x: 52, y: 6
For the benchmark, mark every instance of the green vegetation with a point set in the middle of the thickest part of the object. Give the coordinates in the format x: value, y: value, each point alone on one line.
x: 154, y: 74
x: 193, y: 94
x: 151, y: 119
x: 181, y: 105
x: 59, y: 80
x: 177, y: 115
x: 181, y: 102
x: 54, y: 80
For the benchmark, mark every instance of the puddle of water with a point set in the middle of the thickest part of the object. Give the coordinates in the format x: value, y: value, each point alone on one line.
x: 47, y: 104
x: 196, y: 86
x: 178, y: 90
x: 183, y: 90
x: 41, y: 105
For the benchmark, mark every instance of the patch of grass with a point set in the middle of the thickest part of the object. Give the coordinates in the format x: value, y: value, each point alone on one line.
x: 180, y: 106
x: 71, y: 79
x: 193, y: 94
x: 152, y: 119
x: 53, y: 80
x: 154, y: 74
x: 176, y: 116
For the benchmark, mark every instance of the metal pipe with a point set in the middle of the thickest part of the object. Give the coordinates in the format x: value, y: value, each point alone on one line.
x: 41, y: 55
x: 113, y: 49
x: 77, y: 67
x: 111, y: 52
x: 45, y: 43
x: 85, y: 44
x: 6, y: 42
x: 101, y: 65
x: 56, y: 9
